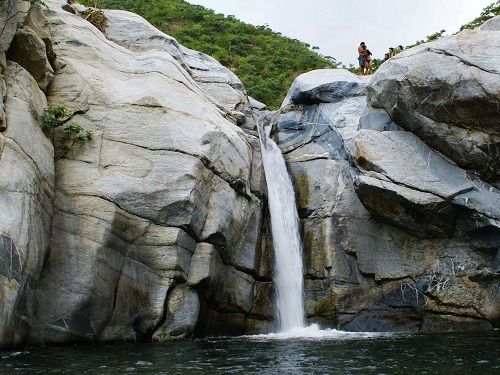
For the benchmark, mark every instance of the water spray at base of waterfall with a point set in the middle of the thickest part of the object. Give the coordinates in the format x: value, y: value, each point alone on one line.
x: 288, y: 267
x: 314, y: 332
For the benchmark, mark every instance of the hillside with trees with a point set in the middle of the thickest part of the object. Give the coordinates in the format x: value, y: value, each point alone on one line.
x: 265, y: 61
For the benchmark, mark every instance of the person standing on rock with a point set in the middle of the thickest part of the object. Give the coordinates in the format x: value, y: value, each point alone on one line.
x: 368, y: 62
x: 361, y: 58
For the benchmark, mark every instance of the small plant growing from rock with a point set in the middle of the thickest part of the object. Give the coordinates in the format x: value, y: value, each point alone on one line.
x: 72, y: 136
x: 96, y: 17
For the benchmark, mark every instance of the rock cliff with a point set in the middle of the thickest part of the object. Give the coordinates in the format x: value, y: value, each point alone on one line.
x: 158, y: 228
x: 98, y: 246
x: 399, y: 199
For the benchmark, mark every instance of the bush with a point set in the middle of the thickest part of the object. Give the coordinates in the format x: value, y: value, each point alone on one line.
x: 73, y: 135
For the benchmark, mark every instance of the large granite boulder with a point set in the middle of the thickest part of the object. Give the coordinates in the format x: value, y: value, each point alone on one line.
x: 29, y: 51
x: 12, y: 15
x: 393, y: 231
x: 492, y: 24
x: 405, y: 166
x: 448, y: 94
x: 324, y: 86
x: 182, y: 314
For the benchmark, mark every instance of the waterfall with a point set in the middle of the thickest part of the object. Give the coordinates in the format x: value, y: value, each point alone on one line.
x: 289, y: 285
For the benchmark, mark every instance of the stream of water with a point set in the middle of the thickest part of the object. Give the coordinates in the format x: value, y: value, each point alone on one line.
x: 288, y: 268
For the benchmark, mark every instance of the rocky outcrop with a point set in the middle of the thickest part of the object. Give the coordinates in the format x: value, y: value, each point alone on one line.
x: 12, y: 15
x: 27, y: 190
x: 26, y: 182
x: 31, y: 47
x: 105, y: 250
x: 324, y: 86
x: 166, y: 171
x: 396, y: 234
x: 448, y: 94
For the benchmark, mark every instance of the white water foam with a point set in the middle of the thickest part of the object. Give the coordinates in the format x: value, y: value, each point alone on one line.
x: 289, y: 284
x: 313, y: 332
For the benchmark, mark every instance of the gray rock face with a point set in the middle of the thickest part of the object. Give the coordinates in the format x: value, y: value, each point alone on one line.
x: 182, y: 314
x: 216, y: 80
x: 393, y: 231
x: 425, y: 178
x: 493, y: 24
x: 29, y: 51
x: 448, y: 94
x: 27, y: 190
x: 219, y: 83
x: 12, y: 14
x: 134, y: 33
x: 3, y: 120
x: 167, y: 176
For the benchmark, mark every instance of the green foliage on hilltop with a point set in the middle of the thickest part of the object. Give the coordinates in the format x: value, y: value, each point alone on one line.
x: 428, y: 38
x: 266, y: 61
x: 490, y: 11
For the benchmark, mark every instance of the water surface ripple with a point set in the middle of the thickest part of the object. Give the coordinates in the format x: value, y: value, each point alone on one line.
x: 443, y: 353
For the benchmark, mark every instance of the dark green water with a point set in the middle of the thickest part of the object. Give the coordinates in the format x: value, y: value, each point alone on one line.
x: 448, y: 353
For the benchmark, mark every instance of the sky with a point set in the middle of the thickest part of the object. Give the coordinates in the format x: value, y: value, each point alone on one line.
x: 338, y: 26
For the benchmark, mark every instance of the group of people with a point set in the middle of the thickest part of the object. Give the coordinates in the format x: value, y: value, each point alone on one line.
x: 393, y: 52
x: 365, y: 58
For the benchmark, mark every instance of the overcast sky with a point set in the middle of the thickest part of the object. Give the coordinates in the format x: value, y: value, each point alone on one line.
x: 338, y: 26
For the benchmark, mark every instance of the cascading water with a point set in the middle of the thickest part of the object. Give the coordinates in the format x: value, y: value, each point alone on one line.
x: 289, y: 284
x: 288, y: 269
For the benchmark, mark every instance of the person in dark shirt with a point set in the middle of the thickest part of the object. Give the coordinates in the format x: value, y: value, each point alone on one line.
x: 361, y: 58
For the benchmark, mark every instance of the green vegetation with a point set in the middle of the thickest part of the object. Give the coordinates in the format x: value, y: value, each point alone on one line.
x: 96, y: 17
x: 266, y: 61
x: 73, y: 135
x: 429, y: 38
x: 490, y: 11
